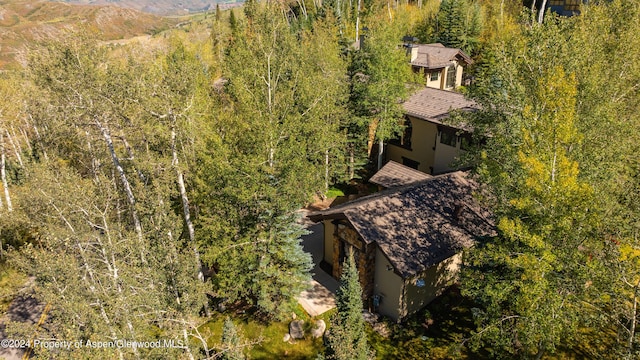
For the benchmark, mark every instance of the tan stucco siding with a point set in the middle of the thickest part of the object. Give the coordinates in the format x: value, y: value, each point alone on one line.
x: 423, y: 140
x: 329, y: 228
x: 436, y: 279
x: 388, y: 285
x: 445, y: 156
x: 433, y: 83
x: 459, y: 70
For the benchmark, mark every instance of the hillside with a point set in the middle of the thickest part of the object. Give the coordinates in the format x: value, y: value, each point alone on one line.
x: 25, y: 22
x: 162, y: 7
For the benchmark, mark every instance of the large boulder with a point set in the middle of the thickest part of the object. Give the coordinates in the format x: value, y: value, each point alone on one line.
x: 296, y: 329
x: 318, y: 329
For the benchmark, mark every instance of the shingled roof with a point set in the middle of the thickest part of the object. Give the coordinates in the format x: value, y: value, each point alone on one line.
x: 437, y: 56
x: 434, y: 104
x: 394, y: 174
x: 419, y: 225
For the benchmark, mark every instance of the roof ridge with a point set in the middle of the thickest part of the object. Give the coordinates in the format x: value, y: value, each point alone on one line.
x: 380, y: 194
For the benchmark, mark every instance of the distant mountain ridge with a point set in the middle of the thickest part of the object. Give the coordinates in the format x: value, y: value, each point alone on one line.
x: 23, y: 22
x: 161, y: 7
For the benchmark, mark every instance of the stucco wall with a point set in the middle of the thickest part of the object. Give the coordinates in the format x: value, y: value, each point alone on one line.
x: 423, y: 139
x: 437, y: 84
x: 436, y: 279
x: 389, y: 286
x: 459, y: 70
x: 444, y: 156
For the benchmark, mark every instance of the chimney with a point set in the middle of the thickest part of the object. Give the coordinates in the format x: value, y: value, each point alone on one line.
x: 414, y: 52
x: 458, y: 207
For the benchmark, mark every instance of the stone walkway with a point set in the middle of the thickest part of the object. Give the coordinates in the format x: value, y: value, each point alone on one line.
x: 320, y: 297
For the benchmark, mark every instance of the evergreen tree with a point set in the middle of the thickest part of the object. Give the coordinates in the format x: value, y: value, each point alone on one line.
x: 280, y: 121
x: 233, y: 22
x: 459, y: 24
x: 379, y: 76
x: 348, y: 339
x: 231, y: 342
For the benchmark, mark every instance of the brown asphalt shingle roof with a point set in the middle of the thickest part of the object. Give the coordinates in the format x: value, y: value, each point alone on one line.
x: 420, y: 225
x: 434, y: 104
x: 394, y: 174
x: 436, y: 56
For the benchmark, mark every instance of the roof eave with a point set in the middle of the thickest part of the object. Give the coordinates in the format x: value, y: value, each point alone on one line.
x: 317, y: 217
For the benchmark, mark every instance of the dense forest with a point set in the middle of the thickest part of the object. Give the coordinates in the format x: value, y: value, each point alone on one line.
x: 144, y: 188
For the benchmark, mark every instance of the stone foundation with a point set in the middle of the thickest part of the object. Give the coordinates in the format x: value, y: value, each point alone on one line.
x: 345, y: 236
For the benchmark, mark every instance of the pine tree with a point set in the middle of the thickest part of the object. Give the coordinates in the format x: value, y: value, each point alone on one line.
x: 231, y: 342
x: 348, y: 339
x: 233, y: 22
x: 459, y: 24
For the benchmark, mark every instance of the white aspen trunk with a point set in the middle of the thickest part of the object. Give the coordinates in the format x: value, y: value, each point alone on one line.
x: 173, y: 278
x: 326, y: 172
x: 27, y: 141
x: 351, y: 165
x: 16, y: 148
x: 95, y: 164
x: 269, y: 107
x: 3, y: 174
x: 185, y: 336
x: 185, y: 201
x: 303, y: 7
x: 541, y: 11
x: 634, y: 316
x: 110, y: 261
x: 358, y: 23
x: 113, y: 271
x: 125, y: 183
x: 380, y: 154
x: 133, y: 334
x: 131, y: 157
x: 35, y: 129
x: 92, y: 289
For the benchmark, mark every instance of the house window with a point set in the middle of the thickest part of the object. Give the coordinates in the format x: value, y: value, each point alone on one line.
x: 404, y: 140
x: 448, y: 136
x: 465, y: 141
x: 434, y: 76
x: 451, y: 76
x: 566, y: 5
x: 410, y: 163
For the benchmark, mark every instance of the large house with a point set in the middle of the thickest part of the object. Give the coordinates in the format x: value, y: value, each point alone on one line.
x: 428, y: 144
x: 566, y: 7
x: 407, y: 239
x: 442, y: 66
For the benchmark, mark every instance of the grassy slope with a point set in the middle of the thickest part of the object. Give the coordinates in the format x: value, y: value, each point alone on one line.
x: 271, y: 346
x: 162, y: 7
x: 25, y: 22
